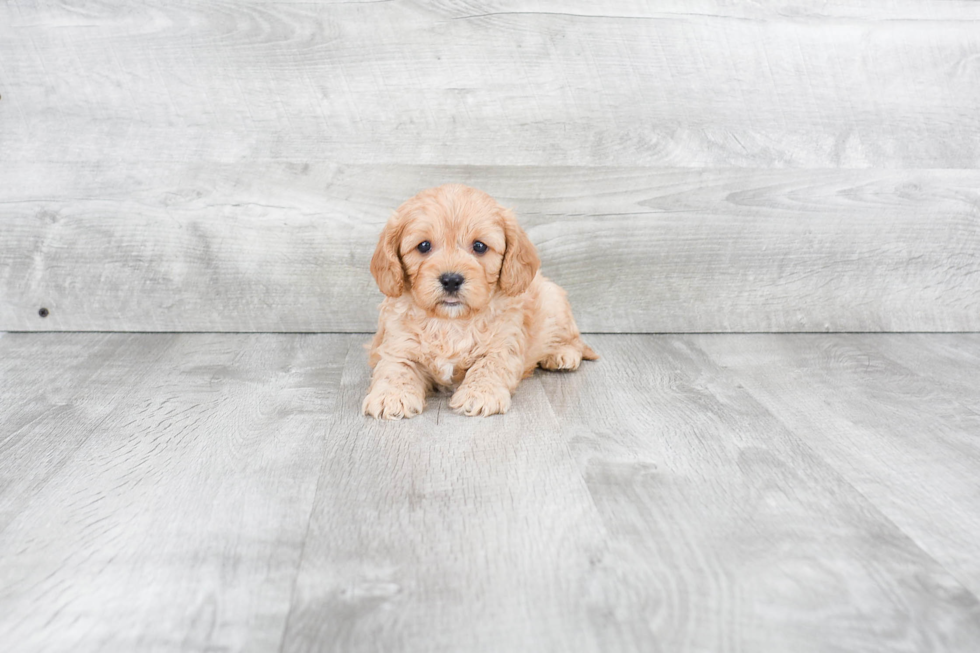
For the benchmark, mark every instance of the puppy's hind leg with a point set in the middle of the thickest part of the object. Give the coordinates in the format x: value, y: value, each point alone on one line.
x: 568, y: 356
x: 561, y: 346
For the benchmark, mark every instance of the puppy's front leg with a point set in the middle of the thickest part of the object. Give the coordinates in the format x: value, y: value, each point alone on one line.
x: 397, y: 390
x: 487, y: 386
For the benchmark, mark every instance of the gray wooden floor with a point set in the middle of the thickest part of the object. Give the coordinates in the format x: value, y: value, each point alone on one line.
x: 686, y: 493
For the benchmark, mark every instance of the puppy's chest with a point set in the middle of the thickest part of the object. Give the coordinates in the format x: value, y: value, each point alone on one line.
x: 448, y: 355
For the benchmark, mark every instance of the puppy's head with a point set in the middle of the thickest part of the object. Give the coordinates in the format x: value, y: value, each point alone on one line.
x: 452, y: 247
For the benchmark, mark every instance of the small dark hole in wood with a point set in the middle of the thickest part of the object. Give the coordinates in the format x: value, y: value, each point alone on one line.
x: 43, y: 312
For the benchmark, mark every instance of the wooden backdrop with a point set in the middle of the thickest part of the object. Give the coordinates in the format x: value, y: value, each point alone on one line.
x: 682, y: 165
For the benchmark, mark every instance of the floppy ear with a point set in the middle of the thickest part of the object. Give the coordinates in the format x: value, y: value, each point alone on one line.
x: 386, y: 264
x: 521, y: 261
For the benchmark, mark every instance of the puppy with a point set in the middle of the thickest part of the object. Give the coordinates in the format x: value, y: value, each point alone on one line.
x: 466, y: 307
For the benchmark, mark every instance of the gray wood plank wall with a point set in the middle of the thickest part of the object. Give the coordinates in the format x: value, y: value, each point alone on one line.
x: 682, y: 166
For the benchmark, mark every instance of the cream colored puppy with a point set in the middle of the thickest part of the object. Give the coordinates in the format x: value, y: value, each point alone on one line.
x: 466, y: 307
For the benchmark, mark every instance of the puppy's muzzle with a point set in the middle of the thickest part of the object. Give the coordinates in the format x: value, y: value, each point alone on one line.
x: 451, y: 282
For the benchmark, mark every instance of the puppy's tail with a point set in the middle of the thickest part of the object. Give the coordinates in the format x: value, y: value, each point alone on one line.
x: 588, y: 354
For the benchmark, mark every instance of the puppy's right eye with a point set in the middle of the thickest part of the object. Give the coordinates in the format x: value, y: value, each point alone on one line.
x: 424, y: 246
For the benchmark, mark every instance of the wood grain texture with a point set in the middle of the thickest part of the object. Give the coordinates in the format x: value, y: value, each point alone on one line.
x: 286, y: 247
x: 727, y: 531
x: 447, y: 533
x: 198, y: 492
x: 678, y: 83
x: 897, y: 415
x: 55, y: 393
x: 688, y: 166
x: 177, y: 518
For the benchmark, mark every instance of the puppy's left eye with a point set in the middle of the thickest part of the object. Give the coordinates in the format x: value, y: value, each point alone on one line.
x: 479, y: 248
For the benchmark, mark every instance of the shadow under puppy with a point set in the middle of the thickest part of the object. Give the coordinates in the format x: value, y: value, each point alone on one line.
x: 466, y: 307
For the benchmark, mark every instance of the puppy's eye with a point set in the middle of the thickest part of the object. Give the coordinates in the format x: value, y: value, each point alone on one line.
x: 424, y: 246
x: 479, y: 248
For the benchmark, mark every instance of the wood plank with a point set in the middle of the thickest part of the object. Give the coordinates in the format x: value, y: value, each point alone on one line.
x: 179, y: 522
x: 284, y: 247
x: 726, y: 530
x: 654, y: 500
x: 683, y: 84
x: 898, y: 416
x: 56, y: 392
x: 447, y: 533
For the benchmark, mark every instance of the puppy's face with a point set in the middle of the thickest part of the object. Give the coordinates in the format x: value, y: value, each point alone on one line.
x: 452, y: 248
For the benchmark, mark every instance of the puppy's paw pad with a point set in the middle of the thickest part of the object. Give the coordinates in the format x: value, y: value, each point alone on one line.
x: 382, y: 404
x: 565, y: 358
x: 483, y: 400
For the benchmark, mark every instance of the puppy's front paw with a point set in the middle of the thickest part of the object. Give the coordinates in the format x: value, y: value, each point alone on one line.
x: 390, y: 404
x: 480, y: 399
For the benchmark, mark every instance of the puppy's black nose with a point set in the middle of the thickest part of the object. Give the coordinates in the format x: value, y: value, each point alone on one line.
x: 451, y: 282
